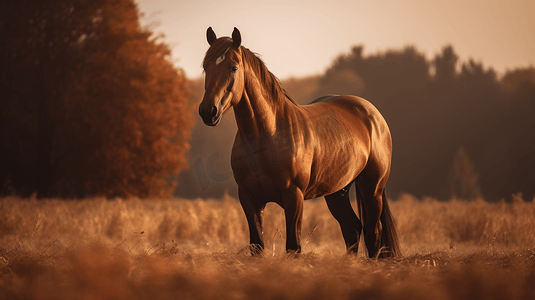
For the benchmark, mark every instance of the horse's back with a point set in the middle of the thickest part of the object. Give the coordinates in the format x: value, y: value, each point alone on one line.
x: 360, y: 108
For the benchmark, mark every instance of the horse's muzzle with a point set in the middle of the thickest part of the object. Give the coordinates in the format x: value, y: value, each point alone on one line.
x: 211, y: 115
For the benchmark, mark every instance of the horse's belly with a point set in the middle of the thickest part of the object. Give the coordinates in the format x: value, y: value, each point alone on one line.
x: 336, y: 164
x: 330, y: 178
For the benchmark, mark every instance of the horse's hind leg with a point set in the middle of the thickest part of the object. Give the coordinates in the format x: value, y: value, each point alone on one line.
x: 371, y: 183
x: 340, y: 207
x: 372, y: 206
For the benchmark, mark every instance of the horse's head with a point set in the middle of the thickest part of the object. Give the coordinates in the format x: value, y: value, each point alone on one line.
x: 224, y: 81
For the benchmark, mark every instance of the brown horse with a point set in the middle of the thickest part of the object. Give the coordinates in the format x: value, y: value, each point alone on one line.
x: 286, y: 153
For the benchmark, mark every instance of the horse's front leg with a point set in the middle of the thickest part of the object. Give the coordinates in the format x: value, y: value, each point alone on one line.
x: 293, y: 210
x: 254, y: 212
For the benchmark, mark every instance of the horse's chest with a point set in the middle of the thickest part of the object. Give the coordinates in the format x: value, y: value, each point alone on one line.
x: 262, y: 161
x: 274, y: 161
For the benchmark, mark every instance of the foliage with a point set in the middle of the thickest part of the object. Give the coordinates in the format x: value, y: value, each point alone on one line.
x: 517, y: 80
x: 91, y: 105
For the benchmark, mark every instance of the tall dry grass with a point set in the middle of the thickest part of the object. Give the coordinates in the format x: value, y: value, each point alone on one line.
x: 159, y: 249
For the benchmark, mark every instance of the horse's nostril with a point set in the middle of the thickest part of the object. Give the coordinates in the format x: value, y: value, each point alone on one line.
x: 213, y: 112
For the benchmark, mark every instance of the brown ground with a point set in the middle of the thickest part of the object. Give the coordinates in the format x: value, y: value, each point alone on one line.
x: 178, y: 249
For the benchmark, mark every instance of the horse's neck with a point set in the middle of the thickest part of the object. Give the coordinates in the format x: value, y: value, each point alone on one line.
x: 259, y: 112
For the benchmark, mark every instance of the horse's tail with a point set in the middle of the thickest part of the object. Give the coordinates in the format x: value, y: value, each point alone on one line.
x: 389, y: 236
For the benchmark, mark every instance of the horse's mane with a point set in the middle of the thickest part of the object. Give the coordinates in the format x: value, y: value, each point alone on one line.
x: 219, y: 47
x: 267, y: 79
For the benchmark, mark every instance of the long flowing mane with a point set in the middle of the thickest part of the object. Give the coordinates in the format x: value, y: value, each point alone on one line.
x: 267, y: 79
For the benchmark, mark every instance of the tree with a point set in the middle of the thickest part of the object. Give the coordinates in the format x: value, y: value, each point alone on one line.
x: 445, y: 65
x: 341, y: 82
x: 92, y: 104
x: 513, y: 161
x: 463, y: 178
x: 518, y: 79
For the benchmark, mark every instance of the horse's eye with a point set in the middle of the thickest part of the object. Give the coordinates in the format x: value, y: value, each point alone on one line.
x: 234, y: 69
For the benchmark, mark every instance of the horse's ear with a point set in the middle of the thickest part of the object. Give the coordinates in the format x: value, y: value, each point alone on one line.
x: 210, y: 35
x: 236, y: 38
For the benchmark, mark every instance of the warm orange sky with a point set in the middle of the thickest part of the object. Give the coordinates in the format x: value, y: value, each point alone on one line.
x: 298, y: 38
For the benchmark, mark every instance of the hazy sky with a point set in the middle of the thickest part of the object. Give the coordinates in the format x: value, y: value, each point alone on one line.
x: 298, y: 38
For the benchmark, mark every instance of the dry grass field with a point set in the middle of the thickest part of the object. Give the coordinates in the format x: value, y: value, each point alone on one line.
x: 179, y: 249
